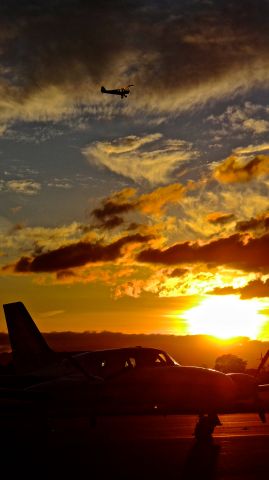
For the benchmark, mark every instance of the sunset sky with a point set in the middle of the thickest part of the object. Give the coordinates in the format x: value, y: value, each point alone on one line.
x: 144, y: 214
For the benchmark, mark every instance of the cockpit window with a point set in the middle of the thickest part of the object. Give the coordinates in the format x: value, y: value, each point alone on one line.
x: 161, y: 359
x: 153, y: 358
x: 132, y: 362
x: 110, y: 363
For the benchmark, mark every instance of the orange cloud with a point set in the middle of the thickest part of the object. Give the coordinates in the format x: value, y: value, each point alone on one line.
x: 126, y: 201
x: 155, y: 201
x: 220, y: 218
x: 238, y: 169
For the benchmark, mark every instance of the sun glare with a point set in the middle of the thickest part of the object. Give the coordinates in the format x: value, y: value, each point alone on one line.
x: 226, y: 317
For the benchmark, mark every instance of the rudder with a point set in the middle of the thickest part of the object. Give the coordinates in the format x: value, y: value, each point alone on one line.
x: 29, y: 349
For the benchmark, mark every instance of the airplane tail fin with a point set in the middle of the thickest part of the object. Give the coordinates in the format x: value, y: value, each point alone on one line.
x: 29, y: 348
x: 103, y: 90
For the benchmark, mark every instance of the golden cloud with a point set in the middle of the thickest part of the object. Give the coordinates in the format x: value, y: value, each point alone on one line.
x: 238, y: 169
x: 127, y: 157
x: 220, y: 218
x: 25, y: 187
x: 154, y: 203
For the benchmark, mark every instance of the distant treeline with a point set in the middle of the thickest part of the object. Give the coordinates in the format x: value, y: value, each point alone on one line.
x: 201, y: 350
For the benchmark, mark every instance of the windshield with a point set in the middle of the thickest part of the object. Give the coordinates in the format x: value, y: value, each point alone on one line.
x: 150, y: 358
x: 110, y: 362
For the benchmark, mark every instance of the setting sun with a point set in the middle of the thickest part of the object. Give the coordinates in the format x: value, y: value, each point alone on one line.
x: 226, y: 317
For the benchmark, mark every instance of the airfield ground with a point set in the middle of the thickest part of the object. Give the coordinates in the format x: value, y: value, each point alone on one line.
x: 159, y: 448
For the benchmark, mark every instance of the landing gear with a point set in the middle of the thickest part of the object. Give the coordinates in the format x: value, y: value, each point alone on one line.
x: 262, y: 415
x: 205, y: 427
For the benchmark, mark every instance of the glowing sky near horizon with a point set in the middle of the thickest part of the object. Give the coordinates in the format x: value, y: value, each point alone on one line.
x: 226, y: 317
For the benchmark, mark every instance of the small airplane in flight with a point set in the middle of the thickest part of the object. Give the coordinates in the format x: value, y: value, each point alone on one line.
x: 124, y: 381
x: 123, y: 91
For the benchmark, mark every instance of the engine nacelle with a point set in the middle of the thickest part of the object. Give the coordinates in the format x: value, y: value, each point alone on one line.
x: 246, y: 385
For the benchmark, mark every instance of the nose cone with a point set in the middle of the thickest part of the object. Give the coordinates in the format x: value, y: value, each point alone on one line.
x: 194, y: 389
x: 246, y: 385
x: 247, y: 390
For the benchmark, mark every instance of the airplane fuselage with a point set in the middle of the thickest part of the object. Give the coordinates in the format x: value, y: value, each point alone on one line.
x: 145, y: 381
x: 123, y: 92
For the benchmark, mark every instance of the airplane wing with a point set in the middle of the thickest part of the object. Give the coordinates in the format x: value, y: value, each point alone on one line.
x: 263, y: 388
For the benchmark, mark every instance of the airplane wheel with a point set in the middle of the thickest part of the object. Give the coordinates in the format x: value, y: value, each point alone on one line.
x: 204, y: 429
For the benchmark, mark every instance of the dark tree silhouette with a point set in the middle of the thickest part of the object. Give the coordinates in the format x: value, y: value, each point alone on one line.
x: 230, y: 363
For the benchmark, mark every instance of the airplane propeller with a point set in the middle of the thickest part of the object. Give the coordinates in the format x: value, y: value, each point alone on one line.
x: 249, y: 388
x: 258, y: 402
x: 128, y: 87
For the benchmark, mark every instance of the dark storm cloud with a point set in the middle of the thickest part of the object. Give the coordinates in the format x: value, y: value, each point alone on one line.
x: 237, y: 251
x: 65, y: 274
x: 111, y: 208
x: 108, y: 214
x: 220, y: 218
x: 178, y: 272
x: 202, y: 48
x: 75, y: 255
x: 255, y: 288
x: 260, y: 223
x: 112, y: 222
x: 62, y: 41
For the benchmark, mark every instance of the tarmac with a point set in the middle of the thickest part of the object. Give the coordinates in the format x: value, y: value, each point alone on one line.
x: 149, y: 447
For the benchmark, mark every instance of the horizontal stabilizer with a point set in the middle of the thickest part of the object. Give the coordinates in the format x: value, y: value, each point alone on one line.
x: 263, y: 388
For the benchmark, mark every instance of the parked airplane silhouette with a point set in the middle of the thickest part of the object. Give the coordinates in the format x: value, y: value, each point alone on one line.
x: 133, y: 380
x: 123, y: 91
